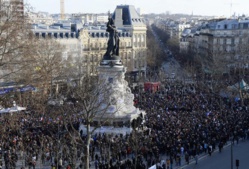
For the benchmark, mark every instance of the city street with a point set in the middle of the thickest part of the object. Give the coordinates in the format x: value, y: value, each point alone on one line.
x: 223, y: 160
x: 171, y: 69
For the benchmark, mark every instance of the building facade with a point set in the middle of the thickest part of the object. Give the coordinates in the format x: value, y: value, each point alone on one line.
x: 226, y: 40
x: 93, y: 40
x: 127, y: 19
x: 219, y: 41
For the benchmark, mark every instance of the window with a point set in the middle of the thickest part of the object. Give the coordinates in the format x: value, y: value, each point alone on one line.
x: 138, y: 38
x: 236, y: 40
x: 228, y: 41
x: 142, y: 38
x: 134, y: 38
x: 126, y: 16
x: 215, y: 41
x: 240, y: 25
x: 233, y: 26
x: 221, y: 41
x: 228, y: 49
x: 245, y: 25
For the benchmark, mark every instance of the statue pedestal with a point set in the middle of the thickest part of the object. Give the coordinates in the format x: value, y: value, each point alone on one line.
x: 122, y: 111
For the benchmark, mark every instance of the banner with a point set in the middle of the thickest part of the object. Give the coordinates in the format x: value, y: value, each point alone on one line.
x: 153, y: 167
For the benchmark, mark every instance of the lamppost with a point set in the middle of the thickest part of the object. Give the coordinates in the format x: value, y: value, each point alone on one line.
x: 232, y: 155
x: 51, y: 83
x: 237, y: 163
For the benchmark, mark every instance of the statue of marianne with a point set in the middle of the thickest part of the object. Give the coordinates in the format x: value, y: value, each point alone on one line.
x: 113, y: 42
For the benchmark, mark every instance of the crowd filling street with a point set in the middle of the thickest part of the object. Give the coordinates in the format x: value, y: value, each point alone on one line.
x: 182, y: 123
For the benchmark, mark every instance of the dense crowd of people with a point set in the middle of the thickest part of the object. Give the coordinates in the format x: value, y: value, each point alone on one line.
x: 182, y: 122
x: 186, y: 121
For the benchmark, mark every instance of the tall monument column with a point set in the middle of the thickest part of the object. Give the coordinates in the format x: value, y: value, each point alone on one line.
x: 112, y: 71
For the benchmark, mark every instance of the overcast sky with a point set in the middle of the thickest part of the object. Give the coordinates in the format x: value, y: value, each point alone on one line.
x: 201, y: 7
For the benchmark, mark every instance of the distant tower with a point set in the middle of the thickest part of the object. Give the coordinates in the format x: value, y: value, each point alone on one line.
x: 62, y: 10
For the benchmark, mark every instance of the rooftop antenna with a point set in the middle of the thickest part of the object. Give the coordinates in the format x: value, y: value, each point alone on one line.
x: 231, y: 8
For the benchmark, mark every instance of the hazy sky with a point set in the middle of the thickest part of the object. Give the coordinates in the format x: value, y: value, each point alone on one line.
x: 202, y: 7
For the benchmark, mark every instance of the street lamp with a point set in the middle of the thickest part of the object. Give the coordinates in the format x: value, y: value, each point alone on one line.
x: 232, y: 155
x: 237, y: 163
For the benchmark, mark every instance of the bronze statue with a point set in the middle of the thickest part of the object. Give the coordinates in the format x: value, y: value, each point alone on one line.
x: 113, y: 42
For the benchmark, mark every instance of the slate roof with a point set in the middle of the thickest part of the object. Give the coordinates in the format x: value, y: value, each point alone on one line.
x: 130, y: 16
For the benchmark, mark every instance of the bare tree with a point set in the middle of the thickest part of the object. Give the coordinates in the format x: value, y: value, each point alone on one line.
x: 43, y: 70
x: 92, y: 102
x: 155, y: 54
x: 14, y: 40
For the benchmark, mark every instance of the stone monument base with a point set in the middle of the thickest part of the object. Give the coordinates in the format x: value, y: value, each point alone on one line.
x: 119, y: 105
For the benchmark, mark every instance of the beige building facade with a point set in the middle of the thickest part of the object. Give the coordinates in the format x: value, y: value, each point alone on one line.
x: 132, y: 47
x: 91, y: 41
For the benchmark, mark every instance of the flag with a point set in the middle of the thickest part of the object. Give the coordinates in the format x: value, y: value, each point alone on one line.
x: 153, y: 167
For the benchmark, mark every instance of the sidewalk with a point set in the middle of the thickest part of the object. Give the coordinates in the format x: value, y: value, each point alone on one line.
x: 201, y: 157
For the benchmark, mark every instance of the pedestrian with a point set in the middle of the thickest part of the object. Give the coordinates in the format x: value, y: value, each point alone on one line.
x: 220, y: 146
x: 210, y: 150
x: 34, y: 159
x: 96, y: 164
x: 171, y: 163
x: 168, y: 163
x: 196, y: 159
x: 60, y: 163
x: 182, y: 151
x: 187, y: 157
x: 205, y: 147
